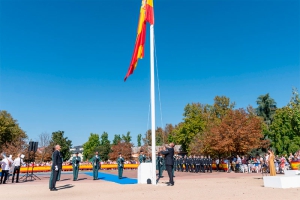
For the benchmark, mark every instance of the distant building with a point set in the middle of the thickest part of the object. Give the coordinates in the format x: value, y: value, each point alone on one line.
x: 79, y: 150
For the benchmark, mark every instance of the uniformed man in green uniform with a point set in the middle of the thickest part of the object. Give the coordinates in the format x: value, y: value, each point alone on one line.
x: 174, y: 166
x: 142, y: 157
x: 120, y: 162
x: 96, y: 165
x: 160, y: 165
x: 75, y: 164
x: 51, y: 174
x: 59, y: 172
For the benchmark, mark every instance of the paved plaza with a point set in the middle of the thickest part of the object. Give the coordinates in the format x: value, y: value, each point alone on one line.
x: 216, y: 185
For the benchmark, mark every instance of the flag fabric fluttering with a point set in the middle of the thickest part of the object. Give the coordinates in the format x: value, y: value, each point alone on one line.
x: 146, y: 15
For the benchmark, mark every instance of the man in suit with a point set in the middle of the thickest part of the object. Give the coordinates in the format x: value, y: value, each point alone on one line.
x: 169, y: 154
x: 96, y: 165
x: 75, y: 164
x: 120, y: 162
x: 56, y: 166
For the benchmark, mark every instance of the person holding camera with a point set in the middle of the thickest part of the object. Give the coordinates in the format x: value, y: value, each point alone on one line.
x: 56, y: 166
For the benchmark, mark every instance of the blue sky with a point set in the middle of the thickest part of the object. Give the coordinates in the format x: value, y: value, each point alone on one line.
x: 63, y: 62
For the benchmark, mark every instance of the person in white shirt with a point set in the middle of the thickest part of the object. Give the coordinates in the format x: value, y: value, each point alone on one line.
x: 5, y: 163
x: 18, y: 162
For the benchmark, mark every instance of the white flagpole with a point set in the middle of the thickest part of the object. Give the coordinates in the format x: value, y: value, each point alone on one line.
x: 152, y: 104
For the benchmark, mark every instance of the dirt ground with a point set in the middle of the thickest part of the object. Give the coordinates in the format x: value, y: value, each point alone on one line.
x: 216, y: 185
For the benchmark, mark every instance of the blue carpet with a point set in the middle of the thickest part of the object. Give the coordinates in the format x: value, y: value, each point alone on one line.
x: 113, y: 178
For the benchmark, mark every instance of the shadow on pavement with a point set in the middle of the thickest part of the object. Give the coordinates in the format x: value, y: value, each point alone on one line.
x: 67, y: 186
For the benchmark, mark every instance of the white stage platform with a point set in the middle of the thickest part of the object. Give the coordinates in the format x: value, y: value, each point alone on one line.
x: 282, y: 181
x: 291, y: 172
x: 144, y: 172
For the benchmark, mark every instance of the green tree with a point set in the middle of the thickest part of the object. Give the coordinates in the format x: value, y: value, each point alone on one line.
x: 127, y: 137
x: 90, y: 146
x: 139, y: 140
x: 221, y: 105
x: 105, y: 148
x: 266, y: 108
x: 10, y: 132
x: 194, y: 123
x: 285, y: 129
x: 117, y: 139
x: 64, y: 142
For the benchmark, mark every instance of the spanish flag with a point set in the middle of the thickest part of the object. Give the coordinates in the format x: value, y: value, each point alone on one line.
x: 146, y: 15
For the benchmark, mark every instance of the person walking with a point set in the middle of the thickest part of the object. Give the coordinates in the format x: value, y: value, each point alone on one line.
x: 169, y: 153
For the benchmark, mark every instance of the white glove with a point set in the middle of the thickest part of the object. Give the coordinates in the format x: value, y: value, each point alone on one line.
x: 56, y: 168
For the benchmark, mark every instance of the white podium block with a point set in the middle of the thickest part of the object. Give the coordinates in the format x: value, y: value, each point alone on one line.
x: 144, y: 172
x: 282, y: 181
x: 291, y: 172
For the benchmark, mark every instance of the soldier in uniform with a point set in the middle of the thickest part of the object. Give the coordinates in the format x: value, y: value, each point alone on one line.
x: 59, y: 172
x: 160, y: 165
x: 181, y: 164
x: 142, y: 157
x: 184, y: 162
x: 51, y: 174
x: 96, y: 165
x: 75, y: 164
x: 174, y: 166
x: 194, y: 164
x: 205, y: 163
x: 209, y: 164
x: 120, y: 162
x: 197, y: 164
x: 202, y: 164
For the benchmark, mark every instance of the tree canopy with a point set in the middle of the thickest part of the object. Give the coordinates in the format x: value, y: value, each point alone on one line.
x: 12, y: 137
x: 90, y: 146
x: 64, y: 142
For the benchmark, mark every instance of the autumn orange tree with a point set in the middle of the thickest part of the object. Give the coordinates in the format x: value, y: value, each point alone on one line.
x: 238, y: 133
x: 121, y: 147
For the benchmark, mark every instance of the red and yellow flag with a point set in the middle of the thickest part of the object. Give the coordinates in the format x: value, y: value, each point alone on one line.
x: 146, y: 15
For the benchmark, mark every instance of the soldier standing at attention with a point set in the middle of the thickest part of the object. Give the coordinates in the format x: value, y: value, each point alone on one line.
x: 120, y: 162
x: 96, y: 165
x: 142, y: 157
x: 181, y: 163
x: 175, y: 164
x: 205, y: 163
x: 160, y: 165
x: 209, y: 164
x: 59, y: 172
x: 75, y: 164
x: 197, y: 164
x: 202, y: 164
